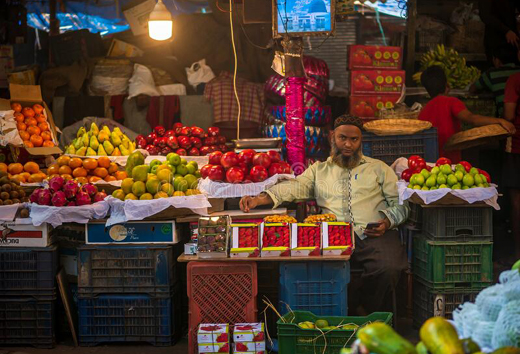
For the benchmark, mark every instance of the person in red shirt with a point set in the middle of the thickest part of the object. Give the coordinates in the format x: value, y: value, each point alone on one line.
x: 511, y: 174
x: 445, y: 112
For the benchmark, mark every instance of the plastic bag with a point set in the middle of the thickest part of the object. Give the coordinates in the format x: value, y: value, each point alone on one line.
x: 142, y: 82
x: 490, y: 302
x: 199, y: 73
x: 507, y: 327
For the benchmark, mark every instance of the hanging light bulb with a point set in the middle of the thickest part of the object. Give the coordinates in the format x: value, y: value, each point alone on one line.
x: 160, y: 22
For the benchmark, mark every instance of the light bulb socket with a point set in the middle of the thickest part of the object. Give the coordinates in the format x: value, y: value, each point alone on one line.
x: 160, y: 13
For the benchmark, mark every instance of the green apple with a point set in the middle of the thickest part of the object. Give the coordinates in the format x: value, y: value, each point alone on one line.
x: 443, y: 186
x: 194, y: 163
x: 441, y: 179
x: 473, y: 171
x: 460, y: 168
x: 456, y: 186
x: 417, y: 186
x: 155, y: 162
x: 452, y: 180
x: 191, y: 168
x: 480, y: 185
x: 182, y: 170
x: 419, y: 180
x: 173, y: 159
x: 465, y: 187
x: 431, y: 181
x: 446, y: 169
x: 425, y: 173
x: 468, y: 180
x: 433, y: 188
x: 184, y: 161
x: 435, y: 170
x: 478, y: 179
x: 459, y: 175
x: 425, y: 188
x: 154, y: 169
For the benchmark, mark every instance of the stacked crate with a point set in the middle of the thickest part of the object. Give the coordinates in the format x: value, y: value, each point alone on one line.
x: 128, y: 293
x: 451, y: 255
x: 28, y: 296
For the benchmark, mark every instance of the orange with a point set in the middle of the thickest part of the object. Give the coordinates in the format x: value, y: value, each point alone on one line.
x: 79, y: 172
x: 53, y: 169
x: 24, y: 135
x: 46, y: 136
x: 38, y: 108
x: 19, y: 117
x: 93, y: 179
x: 82, y: 180
x: 66, y: 177
x: 75, y: 162
x: 36, y: 140
x: 65, y: 170
x: 18, y: 178
x: 120, y: 175
x: 28, y: 144
x: 104, y: 161
x: 37, y: 177
x: 33, y: 130
x: 40, y: 118
x: 28, y: 112
x: 31, y: 121
x: 21, y: 126
x: 101, y: 172
x: 48, y: 143
x: 16, y: 107
x: 43, y: 126
x: 63, y: 160
x: 113, y: 168
x: 110, y: 179
x: 25, y: 175
x: 31, y: 167
x: 15, y: 168
x: 90, y: 164
x: 3, y: 167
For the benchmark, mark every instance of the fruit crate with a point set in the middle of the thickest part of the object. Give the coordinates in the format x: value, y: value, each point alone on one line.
x: 415, y: 217
x: 29, y: 272
x: 127, y: 318
x: 449, y: 265
x: 317, y: 287
x: 428, y: 302
x: 407, y: 234
x: 27, y: 321
x: 390, y: 148
x: 220, y: 292
x: 293, y: 339
x: 126, y: 270
x: 460, y: 223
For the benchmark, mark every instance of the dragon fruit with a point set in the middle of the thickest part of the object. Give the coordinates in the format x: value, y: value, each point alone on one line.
x: 35, y: 195
x: 71, y: 188
x: 59, y: 199
x: 90, y: 189
x: 56, y: 183
x: 71, y: 204
x: 44, y: 197
x: 82, y: 198
x: 99, y: 196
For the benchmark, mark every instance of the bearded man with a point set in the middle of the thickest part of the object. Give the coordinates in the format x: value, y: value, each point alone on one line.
x: 359, y: 190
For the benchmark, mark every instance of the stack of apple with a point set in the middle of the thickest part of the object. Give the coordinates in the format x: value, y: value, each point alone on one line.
x: 182, y: 140
x: 246, y: 167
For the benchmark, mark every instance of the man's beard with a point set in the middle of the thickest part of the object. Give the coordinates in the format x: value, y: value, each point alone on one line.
x: 342, y: 160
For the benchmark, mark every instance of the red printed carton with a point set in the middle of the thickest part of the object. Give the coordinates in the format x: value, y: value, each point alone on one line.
x: 369, y: 106
x: 249, y: 347
x: 276, y: 239
x: 305, y: 240
x: 376, y: 82
x: 248, y: 332
x: 338, y: 238
x: 207, y: 348
x: 245, y: 241
x: 374, y: 57
x: 210, y: 333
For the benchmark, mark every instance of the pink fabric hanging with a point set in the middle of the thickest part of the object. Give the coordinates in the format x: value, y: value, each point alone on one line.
x: 295, y: 127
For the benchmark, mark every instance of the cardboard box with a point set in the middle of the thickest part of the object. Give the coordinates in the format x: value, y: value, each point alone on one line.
x: 374, y: 57
x: 342, y: 242
x: 122, y: 49
x: 248, y: 332
x: 245, y: 240
x: 132, y: 232
x: 28, y: 95
x: 190, y: 248
x: 137, y: 13
x: 213, y: 348
x: 23, y: 76
x: 25, y: 234
x: 305, y: 240
x: 213, y: 238
x: 213, y: 333
x: 268, y: 243
x: 369, y: 106
x: 249, y: 347
x: 376, y: 82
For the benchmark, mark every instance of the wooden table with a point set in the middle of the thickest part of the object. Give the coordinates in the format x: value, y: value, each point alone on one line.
x: 237, y: 214
x: 183, y: 258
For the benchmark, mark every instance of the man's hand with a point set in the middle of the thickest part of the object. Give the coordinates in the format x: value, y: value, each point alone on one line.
x: 508, y: 126
x: 512, y: 38
x: 248, y: 203
x: 384, y: 225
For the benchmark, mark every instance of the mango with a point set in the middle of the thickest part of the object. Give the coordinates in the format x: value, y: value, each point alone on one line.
x: 138, y: 188
x: 119, y: 194
x: 153, y: 186
x: 140, y: 173
x: 135, y: 159
x: 126, y: 185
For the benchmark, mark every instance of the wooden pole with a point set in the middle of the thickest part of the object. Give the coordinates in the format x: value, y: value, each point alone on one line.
x: 410, y: 45
x: 54, y: 23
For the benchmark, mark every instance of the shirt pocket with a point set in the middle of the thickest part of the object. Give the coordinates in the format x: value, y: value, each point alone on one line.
x: 364, y: 183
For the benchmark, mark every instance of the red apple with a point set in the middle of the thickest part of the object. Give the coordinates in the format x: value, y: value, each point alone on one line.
x: 258, y: 173
x: 204, y: 171
x: 213, y: 148
x: 166, y: 150
x: 229, y: 159
x: 172, y: 142
x: 156, y: 141
x: 177, y: 127
x: 244, y: 168
x: 169, y: 133
x: 184, y: 142
x: 213, y: 131
x: 196, y: 142
x: 150, y: 138
x: 210, y: 141
x: 152, y: 150
x: 216, y: 173
x: 214, y: 157
x: 274, y: 155
x: 286, y: 167
x: 248, y: 179
x: 194, y: 152
x: 246, y: 156
x: 198, y: 132
x: 276, y: 169
x: 407, y: 174
x: 181, y: 152
x: 204, y: 151
x: 221, y: 139
x: 222, y: 147
x: 159, y: 130
x: 235, y: 175
x: 162, y: 142
x: 186, y: 131
x: 262, y: 159
x: 140, y: 141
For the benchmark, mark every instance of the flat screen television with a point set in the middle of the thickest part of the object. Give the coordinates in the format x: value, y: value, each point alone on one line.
x: 303, y: 17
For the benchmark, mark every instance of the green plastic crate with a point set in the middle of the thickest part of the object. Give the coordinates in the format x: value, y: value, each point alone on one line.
x: 450, y: 265
x: 293, y: 339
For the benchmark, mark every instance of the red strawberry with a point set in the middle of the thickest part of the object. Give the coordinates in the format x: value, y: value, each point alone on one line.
x: 259, y: 337
x: 240, y: 347
x: 224, y: 349
x: 222, y: 338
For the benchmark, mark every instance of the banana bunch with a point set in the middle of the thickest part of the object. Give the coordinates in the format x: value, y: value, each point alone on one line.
x: 320, y: 218
x: 279, y: 219
x: 459, y: 75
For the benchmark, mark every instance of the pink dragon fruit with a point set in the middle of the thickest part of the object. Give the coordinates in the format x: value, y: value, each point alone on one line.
x: 44, y: 197
x: 99, y: 196
x: 71, y: 204
x: 59, y: 199
x: 56, y: 183
x: 90, y: 189
x: 35, y: 195
x: 71, y: 188
x: 82, y: 198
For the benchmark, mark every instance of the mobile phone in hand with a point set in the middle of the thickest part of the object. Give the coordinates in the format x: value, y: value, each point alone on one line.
x: 373, y: 225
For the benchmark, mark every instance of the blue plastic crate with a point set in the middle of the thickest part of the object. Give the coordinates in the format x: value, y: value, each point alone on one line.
x: 390, y: 148
x: 126, y: 270
x: 126, y: 318
x: 317, y: 287
x: 27, y: 321
x: 29, y: 272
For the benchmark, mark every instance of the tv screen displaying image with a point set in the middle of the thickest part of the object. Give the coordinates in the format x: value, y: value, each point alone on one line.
x: 304, y: 16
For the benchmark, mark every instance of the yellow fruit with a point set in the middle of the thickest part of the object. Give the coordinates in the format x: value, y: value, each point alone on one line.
x: 130, y: 196
x: 153, y: 185
x: 140, y: 173
x: 119, y: 194
x: 165, y: 175
x: 160, y: 194
x: 167, y: 188
x: 126, y: 185
x: 146, y: 196
x: 179, y: 194
x: 138, y: 188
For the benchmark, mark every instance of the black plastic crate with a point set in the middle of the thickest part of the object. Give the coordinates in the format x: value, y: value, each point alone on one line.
x: 29, y: 272
x: 126, y: 270
x: 458, y: 223
x: 27, y: 321
x: 428, y: 302
x: 415, y: 217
